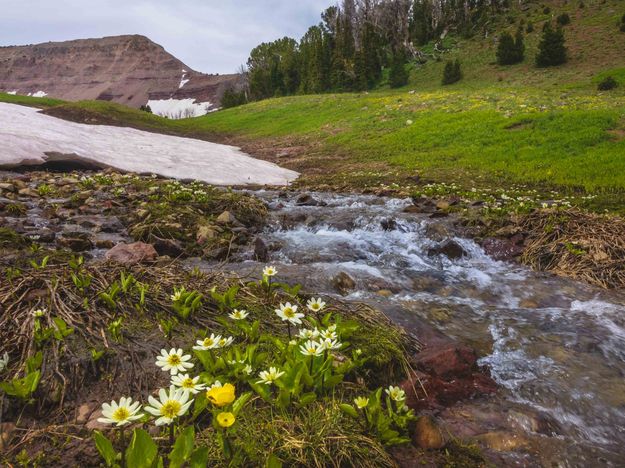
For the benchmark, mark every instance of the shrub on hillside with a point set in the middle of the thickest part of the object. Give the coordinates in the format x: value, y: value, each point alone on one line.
x: 623, y: 23
x: 398, y: 75
x: 452, y: 72
x: 607, y: 84
x: 509, y: 50
x: 232, y: 98
x: 564, y: 19
x: 146, y: 108
x: 551, y: 50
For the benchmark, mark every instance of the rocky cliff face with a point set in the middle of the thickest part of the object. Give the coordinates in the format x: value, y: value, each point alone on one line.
x: 130, y: 70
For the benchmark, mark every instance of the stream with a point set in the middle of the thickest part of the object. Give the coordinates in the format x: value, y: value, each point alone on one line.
x: 555, y: 346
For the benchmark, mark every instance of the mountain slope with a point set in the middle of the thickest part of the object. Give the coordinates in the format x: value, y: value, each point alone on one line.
x: 130, y: 70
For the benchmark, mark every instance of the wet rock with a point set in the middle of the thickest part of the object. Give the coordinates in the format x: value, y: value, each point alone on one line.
x: 111, y: 225
x: 104, y: 244
x: 226, y: 218
x: 170, y: 247
x: 439, y: 214
x: 389, y: 224
x: 343, y: 283
x: 537, y: 422
x: 427, y: 434
x: 385, y: 293
x: 502, y: 441
x: 437, y: 231
x: 7, y: 187
x: 412, y: 209
x: 528, y: 304
x: 447, y: 361
x: 132, y: 254
x: 450, y: 249
x: 442, y: 205
x: 308, y: 200
x: 76, y: 241
x: 501, y: 249
x: 261, y: 252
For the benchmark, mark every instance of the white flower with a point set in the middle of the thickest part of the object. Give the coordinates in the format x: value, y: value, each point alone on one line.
x: 247, y: 369
x: 169, y: 406
x: 288, y: 312
x: 238, y: 314
x: 308, y: 334
x: 328, y: 334
x: 332, y: 328
x: 358, y: 352
x: 190, y: 384
x: 270, y: 376
x: 329, y: 344
x: 315, y: 305
x: 39, y: 313
x: 270, y: 271
x: 120, y: 413
x: 225, y: 342
x: 173, y: 361
x: 396, y: 393
x: 4, y: 362
x: 292, y: 342
x: 311, y: 348
x: 207, y: 343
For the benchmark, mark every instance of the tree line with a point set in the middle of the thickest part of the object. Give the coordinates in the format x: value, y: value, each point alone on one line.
x: 356, y: 40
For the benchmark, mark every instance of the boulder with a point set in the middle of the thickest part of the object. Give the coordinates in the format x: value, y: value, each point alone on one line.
x: 261, y: 252
x: 450, y: 249
x: 389, y: 224
x: 308, y: 200
x: 76, y: 241
x: 427, y: 434
x: 170, y: 247
x: 204, y: 233
x: 451, y: 360
x: 501, y: 249
x: 226, y: 218
x: 132, y: 254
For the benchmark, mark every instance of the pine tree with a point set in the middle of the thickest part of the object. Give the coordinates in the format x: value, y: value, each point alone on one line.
x: 506, y: 50
x: 398, y: 75
x: 519, y: 45
x: 452, y: 72
x: 551, y: 50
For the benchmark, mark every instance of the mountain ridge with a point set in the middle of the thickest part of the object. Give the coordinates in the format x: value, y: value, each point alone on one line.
x: 128, y: 69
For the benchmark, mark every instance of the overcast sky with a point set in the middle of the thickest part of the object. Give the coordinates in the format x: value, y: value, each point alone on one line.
x: 213, y: 36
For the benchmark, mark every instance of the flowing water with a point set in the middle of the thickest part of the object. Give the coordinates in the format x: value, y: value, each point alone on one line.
x: 554, y: 345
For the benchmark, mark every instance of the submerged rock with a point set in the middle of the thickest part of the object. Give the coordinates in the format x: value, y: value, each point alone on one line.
x: 501, y: 249
x: 261, y: 252
x: 307, y: 200
x: 343, y: 283
x: 132, y: 254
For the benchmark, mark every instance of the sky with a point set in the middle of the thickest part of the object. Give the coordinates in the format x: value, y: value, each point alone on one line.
x: 211, y: 36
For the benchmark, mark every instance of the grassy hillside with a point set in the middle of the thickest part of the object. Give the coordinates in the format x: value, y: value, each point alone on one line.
x: 548, y: 128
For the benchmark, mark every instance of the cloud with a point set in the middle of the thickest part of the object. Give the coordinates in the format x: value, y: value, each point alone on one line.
x: 213, y: 36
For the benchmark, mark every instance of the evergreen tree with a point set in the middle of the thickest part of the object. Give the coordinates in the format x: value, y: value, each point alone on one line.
x: 452, y: 72
x: 551, y: 50
x: 398, y: 75
x: 506, y: 50
x: 233, y: 98
x: 519, y: 45
x: 563, y: 19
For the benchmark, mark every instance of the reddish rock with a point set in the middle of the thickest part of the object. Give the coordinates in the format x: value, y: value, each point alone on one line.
x: 131, y: 254
x: 502, y: 249
x: 447, y: 361
x: 427, y: 434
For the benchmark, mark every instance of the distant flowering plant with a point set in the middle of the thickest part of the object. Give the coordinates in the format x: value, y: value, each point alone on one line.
x: 315, y: 305
x: 269, y: 377
x: 288, y: 313
x: 211, y: 342
x: 269, y: 271
x: 238, y: 314
x: 190, y: 384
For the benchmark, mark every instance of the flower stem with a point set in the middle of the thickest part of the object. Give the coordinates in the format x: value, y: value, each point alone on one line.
x: 312, y: 358
x: 171, y: 435
x: 288, y: 327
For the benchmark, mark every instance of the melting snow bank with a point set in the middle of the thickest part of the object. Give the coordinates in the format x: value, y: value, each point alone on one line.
x: 180, y: 108
x: 29, y: 137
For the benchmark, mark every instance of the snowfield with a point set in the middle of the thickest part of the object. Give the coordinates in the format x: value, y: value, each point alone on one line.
x: 28, y: 135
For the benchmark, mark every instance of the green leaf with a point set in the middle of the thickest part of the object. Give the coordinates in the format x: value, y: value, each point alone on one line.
x: 105, y: 448
x: 238, y: 405
x: 349, y: 410
x: 307, y: 398
x: 34, y: 362
x: 199, y: 458
x: 183, y: 447
x: 142, y: 451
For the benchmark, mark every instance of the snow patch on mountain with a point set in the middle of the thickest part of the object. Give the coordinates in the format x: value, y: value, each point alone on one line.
x: 180, y: 108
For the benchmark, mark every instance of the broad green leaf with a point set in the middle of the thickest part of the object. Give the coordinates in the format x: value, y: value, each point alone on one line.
x: 105, y: 448
x: 183, y: 447
x: 142, y: 451
x: 349, y: 410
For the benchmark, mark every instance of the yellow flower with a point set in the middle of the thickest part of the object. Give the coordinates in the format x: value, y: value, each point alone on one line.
x: 221, y: 396
x: 226, y: 419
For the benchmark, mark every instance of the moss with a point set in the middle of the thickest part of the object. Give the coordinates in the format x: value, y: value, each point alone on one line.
x: 11, y: 239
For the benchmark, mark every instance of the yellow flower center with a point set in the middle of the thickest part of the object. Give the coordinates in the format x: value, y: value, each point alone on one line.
x: 225, y: 419
x: 171, y: 409
x: 188, y: 383
x: 315, y: 306
x: 120, y: 414
x: 173, y: 360
x: 288, y: 312
x: 208, y: 342
x: 222, y: 342
x: 312, y: 350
